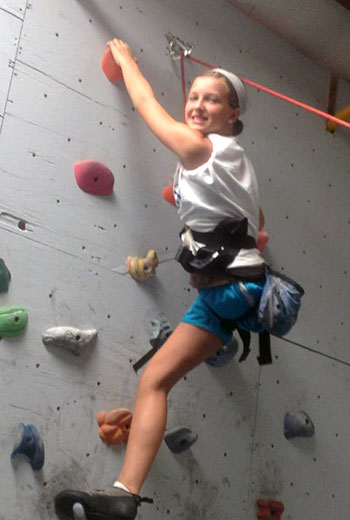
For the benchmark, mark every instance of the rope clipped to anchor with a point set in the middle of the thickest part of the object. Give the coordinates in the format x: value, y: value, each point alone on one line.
x: 304, y: 106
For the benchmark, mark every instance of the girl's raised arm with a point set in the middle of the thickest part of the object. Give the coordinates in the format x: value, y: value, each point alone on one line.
x: 190, y: 146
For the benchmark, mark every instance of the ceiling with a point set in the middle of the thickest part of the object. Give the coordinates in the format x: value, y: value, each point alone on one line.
x: 320, y: 29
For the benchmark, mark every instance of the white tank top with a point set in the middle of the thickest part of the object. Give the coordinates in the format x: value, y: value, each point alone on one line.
x: 223, y: 187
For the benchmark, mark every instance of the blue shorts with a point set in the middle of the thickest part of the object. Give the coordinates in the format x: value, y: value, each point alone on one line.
x: 229, y: 301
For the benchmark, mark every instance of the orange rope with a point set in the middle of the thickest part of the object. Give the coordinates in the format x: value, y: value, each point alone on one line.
x: 265, y: 89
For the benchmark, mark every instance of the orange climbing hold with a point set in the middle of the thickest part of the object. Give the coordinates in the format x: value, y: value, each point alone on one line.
x: 109, y: 66
x: 114, y: 425
x: 168, y: 194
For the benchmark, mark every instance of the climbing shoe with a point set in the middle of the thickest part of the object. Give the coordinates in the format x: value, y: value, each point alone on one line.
x: 109, y: 504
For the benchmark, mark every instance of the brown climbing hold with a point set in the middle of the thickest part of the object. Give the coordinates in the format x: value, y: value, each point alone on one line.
x: 114, y: 425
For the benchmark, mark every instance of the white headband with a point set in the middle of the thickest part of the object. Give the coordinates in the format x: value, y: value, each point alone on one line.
x: 237, y: 85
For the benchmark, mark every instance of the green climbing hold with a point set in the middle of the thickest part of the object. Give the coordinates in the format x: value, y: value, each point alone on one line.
x: 5, y: 277
x: 13, y: 321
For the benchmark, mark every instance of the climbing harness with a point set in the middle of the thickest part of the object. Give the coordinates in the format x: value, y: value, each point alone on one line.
x: 280, y: 301
x: 221, y: 246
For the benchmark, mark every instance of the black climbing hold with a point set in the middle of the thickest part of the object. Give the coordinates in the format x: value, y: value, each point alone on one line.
x: 180, y: 439
x: 5, y: 277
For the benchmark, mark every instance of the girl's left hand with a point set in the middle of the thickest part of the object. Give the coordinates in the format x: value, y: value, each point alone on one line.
x: 120, y: 50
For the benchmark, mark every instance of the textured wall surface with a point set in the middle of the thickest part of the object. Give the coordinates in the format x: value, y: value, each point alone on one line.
x: 57, y: 108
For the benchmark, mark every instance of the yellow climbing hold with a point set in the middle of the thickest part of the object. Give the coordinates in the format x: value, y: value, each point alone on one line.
x: 344, y: 115
x: 142, y: 268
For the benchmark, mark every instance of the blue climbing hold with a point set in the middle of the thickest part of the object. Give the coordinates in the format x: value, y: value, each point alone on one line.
x: 298, y: 424
x: 79, y: 512
x: 180, y: 439
x: 224, y: 354
x: 29, y: 444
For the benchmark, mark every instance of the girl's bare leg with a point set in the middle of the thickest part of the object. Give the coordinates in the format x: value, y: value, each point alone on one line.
x: 187, y: 347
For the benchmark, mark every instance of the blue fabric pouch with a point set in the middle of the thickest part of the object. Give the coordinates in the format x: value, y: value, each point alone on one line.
x: 279, y: 304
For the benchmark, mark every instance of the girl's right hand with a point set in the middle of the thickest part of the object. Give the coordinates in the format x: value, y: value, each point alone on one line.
x: 120, y: 51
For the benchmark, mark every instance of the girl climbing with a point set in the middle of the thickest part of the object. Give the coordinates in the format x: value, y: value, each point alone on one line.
x: 217, y: 200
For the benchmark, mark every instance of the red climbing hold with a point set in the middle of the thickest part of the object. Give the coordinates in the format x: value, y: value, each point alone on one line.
x: 263, y: 238
x: 94, y: 178
x: 269, y: 509
x: 109, y: 66
x: 168, y: 194
x: 114, y: 425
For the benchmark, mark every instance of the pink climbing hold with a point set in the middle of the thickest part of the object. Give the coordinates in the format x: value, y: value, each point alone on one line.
x: 109, y: 66
x: 94, y: 178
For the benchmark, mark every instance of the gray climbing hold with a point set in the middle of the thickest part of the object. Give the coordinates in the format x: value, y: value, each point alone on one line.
x: 160, y: 330
x: 69, y: 338
x: 224, y: 354
x: 298, y: 424
x: 180, y: 439
x: 5, y: 277
x: 79, y: 512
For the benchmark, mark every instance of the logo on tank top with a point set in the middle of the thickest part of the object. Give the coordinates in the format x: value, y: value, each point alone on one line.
x: 177, y: 195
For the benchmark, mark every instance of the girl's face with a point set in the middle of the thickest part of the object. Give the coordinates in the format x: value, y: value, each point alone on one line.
x: 207, y: 109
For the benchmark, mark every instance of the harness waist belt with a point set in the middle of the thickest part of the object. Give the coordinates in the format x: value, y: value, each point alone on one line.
x: 221, y: 246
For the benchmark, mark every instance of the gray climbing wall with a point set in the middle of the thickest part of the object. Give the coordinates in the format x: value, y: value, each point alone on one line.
x: 66, y: 251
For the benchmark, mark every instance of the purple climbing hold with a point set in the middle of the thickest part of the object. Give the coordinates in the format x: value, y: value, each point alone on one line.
x: 94, y: 178
x: 29, y: 444
x: 298, y: 424
x: 180, y: 439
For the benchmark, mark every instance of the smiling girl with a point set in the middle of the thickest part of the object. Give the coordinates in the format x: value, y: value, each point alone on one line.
x: 217, y: 199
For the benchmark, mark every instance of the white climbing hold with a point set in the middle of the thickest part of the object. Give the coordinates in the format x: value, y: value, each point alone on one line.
x: 69, y: 338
